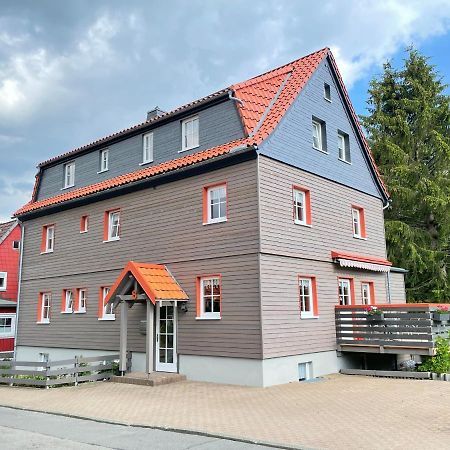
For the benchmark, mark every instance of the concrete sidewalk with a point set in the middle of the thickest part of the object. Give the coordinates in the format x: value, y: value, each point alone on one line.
x: 339, y: 412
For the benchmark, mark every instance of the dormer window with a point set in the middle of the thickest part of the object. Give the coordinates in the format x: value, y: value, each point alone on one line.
x: 147, y: 148
x: 69, y: 174
x: 326, y: 92
x: 189, y: 133
x: 104, y: 160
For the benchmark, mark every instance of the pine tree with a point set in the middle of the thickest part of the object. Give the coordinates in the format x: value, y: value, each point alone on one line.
x: 409, y: 132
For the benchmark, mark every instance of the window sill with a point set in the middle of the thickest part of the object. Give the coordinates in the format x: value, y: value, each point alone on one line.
x: 66, y: 312
x: 208, y: 318
x: 328, y: 100
x: 67, y: 187
x: 345, y: 161
x: 47, y: 252
x: 308, y: 317
x: 79, y: 312
x: 303, y: 224
x: 360, y: 238
x: 83, y: 232
x: 320, y: 150
x: 144, y: 163
x: 43, y: 323
x: 112, y: 240
x: 102, y: 171
x: 2, y: 289
x: 107, y: 318
x: 216, y: 221
x: 188, y: 148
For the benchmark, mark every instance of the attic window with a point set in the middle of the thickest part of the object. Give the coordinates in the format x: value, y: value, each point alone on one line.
x: 327, y: 92
x: 16, y: 245
x: 189, y: 133
x: 69, y: 174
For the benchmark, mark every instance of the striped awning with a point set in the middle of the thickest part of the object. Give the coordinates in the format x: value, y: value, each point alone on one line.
x: 355, y: 261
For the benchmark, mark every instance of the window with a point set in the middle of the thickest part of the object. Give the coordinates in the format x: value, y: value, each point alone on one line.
x: 147, y: 148
x: 84, y: 224
x: 45, y: 303
x: 359, y: 222
x: 368, y: 293
x: 307, y: 297
x: 81, y: 301
x: 346, y: 291
x: 7, y: 325
x: 189, y: 133
x: 111, y: 231
x: 105, y: 311
x: 327, y: 91
x: 69, y: 174
x: 16, y: 245
x: 67, y: 301
x: 48, y: 239
x: 319, y: 135
x: 210, y: 298
x: 3, y: 279
x: 344, y: 147
x: 104, y: 160
x: 215, y: 203
x: 302, y: 205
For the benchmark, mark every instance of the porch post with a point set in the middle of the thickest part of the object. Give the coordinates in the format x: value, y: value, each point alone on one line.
x: 149, y: 338
x: 123, y: 336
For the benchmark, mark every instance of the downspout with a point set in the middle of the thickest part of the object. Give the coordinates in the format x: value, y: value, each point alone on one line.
x: 388, y: 274
x: 19, y: 289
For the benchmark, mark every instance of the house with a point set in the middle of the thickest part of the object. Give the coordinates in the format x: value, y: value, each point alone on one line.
x: 9, y: 277
x: 214, y: 240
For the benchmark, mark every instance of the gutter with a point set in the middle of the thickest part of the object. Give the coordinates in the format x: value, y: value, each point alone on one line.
x: 19, y: 288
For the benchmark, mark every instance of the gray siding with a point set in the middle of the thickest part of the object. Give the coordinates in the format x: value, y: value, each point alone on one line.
x: 161, y: 225
x: 398, y: 294
x: 217, y: 124
x: 291, y: 142
x: 284, y: 332
x: 331, y: 215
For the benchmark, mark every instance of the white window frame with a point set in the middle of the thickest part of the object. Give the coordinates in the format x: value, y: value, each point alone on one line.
x: 46, y: 298
x: 366, y: 295
x: 69, y: 175
x: 300, y: 199
x: 356, y: 223
x: 212, y: 315
x: 147, y: 148
x: 107, y: 309
x: 112, y: 236
x: 219, y: 201
x: 104, y: 160
x: 194, y: 142
x: 306, y: 298
x: 82, y: 295
x: 317, y: 128
x: 11, y: 333
x: 4, y: 277
x: 18, y: 245
x: 49, y: 238
x: 85, y: 222
x: 68, y: 301
x: 343, y: 283
x: 327, y: 98
x: 343, y: 148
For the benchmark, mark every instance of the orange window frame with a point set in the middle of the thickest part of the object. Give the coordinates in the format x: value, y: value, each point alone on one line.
x: 198, y: 293
x: 362, y: 221
x: 308, y: 211
x: 314, y: 293
x: 205, y: 190
x: 63, y: 299
x: 101, y: 302
x: 371, y: 289
x: 352, y: 289
x: 76, y: 304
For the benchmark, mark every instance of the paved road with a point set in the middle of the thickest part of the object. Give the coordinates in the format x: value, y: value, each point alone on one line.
x: 31, y: 430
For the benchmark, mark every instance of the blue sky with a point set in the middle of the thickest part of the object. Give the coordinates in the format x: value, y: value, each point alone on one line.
x: 73, y: 71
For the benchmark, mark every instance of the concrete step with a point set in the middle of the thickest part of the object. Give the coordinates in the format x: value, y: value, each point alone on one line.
x: 151, y: 379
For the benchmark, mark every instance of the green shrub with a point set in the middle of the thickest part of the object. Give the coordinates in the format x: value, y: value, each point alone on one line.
x: 440, y: 363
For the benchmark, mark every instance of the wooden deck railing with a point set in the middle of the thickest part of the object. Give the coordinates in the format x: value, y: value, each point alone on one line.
x: 57, y: 373
x: 408, y: 328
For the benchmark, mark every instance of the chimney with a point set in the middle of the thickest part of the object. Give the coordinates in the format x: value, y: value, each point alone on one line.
x: 156, y: 111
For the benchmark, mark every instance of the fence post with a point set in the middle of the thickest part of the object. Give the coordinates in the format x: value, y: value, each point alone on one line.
x: 129, y: 356
x: 76, y: 366
x: 47, y: 376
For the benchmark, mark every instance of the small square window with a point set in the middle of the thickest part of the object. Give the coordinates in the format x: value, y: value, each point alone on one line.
x: 69, y: 175
x: 7, y: 325
x: 84, y: 224
x: 327, y: 91
x: 3, y: 280
x: 147, y: 148
x: 189, y: 133
x: 344, y: 147
x: 210, y: 297
x: 16, y: 245
x: 215, y: 203
x: 104, y: 160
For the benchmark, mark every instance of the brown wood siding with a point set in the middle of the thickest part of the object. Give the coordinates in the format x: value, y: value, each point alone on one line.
x: 284, y: 332
x: 331, y: 215
x: 161, y: 225
x: 398, y: 294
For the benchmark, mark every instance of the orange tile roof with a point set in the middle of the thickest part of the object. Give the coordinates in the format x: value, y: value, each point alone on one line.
x: 265, y: 100
x: 155, y: 280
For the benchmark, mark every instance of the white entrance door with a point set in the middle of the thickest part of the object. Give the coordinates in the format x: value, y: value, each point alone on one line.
x: 166, y: 337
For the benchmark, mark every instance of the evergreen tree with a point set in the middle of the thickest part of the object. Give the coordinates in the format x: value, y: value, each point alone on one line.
x: 409, y: 132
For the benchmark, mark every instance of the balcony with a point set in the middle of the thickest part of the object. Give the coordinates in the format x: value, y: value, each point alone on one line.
x: 405, y: 328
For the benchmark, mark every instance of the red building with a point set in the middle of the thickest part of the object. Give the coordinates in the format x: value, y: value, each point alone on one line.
x: 10, y: 234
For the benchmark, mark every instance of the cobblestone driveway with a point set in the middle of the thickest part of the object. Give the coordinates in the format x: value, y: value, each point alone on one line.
x: 338, y: 412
